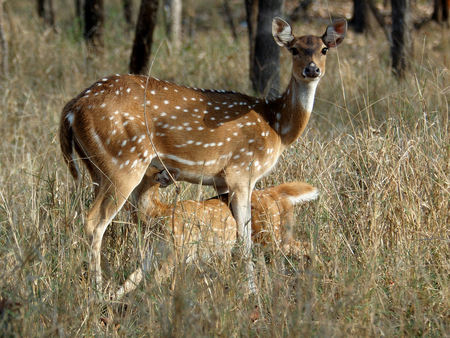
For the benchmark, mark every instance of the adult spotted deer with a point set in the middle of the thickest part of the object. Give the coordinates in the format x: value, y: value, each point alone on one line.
x: 216, y: 137
x: 207, y: 228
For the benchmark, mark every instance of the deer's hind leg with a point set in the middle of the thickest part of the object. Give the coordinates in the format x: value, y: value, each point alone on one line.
x: 110, y: 197
x: 94, y: 172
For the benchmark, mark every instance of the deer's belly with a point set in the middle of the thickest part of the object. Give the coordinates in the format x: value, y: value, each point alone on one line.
x: 201, y: 178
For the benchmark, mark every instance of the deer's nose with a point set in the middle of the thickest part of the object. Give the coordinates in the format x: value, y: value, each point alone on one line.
x: 311, y: 70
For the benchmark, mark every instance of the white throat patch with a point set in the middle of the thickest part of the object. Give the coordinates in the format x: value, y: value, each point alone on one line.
x: 305, y: 93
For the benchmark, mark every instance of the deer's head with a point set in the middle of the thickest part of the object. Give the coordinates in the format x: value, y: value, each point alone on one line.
x: 309, y: 51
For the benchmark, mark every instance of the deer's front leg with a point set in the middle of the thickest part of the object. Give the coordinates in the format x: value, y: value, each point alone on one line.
x: 241, y: 207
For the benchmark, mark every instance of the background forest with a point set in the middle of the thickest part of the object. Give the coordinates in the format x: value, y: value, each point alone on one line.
x: 377, y: 147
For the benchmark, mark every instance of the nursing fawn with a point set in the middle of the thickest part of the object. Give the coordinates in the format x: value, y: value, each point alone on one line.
x: 207, y: 228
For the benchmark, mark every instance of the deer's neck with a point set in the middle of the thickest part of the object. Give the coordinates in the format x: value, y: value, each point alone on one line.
x: 290, y: 113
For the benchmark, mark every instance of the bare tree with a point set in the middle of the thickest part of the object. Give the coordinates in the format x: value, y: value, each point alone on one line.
x: 301, y: 9
x: 440, y: 10
x: 401, y: 48
x: 79, y: 13
x: 78, y: 8
x: 127, y: 6
x: 176, y: 7
x: 143, y: 39
x: 265, y: 60
x: 379, y: 18
x: 46, y: 12
x: 93, y: 23
x: 251, y: 8
x: 229, y: 18
x: 3, y: 44
x: 360, y: 19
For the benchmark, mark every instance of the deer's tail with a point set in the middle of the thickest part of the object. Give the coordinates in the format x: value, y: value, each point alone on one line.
x: 66, y: 141
x: 297, y: 192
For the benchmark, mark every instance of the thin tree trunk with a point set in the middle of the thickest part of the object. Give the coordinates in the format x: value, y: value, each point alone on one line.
x: 93, y: 23
x: 360, y: 14
x: 436, y: 10
x: 143, y: 40
x: 175, y: 30
x: 46, y: 12
x: 3, y: 44
x: 78, y: 8
x: 380, y: 20
x: 51, y: 14
x: 440, y: 11
x: 41, y: 8
x: 267, y: 53
x: 166, y: 16
x: 79, y: 13
x: 251, y: 8
x: 128, y: 12
x: 302, y: 8
x: 229, y: 18
x: 401, y: 48
x: 445, y: 8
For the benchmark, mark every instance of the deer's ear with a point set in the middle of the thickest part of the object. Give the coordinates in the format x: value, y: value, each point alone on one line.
x: 335, y: 33
x: 282, y: 32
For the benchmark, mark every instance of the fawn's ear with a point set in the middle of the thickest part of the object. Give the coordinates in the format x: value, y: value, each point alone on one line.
x: 335, y: 33
x: 164, y: 179
x: 282, y: 32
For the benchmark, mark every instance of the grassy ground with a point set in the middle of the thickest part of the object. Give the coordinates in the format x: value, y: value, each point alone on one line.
x: 378, y: 151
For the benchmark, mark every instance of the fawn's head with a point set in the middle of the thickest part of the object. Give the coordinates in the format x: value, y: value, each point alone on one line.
x: 309, y: 51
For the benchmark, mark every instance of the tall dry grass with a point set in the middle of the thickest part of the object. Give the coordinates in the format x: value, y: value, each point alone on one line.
x: 377, y: 149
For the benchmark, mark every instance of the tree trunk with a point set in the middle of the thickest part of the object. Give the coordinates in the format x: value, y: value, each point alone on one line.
x: 445, y: 8
x: 401, y: 49
x: 41, y: 8
x: 166, y: 4
x: 229, y: 18
x: 440, y: 11
x: 79, y: 13
x: 360, y: 14
x: 251, y: 9
x: 302, y: 8
x: 93, y: 23
x: 266, y: 66
x: 51, y: 14
x: 128, y: 12
x: 143, y: 40
x: 78, y: 8
x: 175, y: 30
x: 436, y: 10
x: 3, y: 44
x: 46, y: 12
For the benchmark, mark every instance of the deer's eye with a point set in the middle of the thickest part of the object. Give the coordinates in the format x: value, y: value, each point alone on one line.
x: 324, y: 50
x: 294, y: 51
